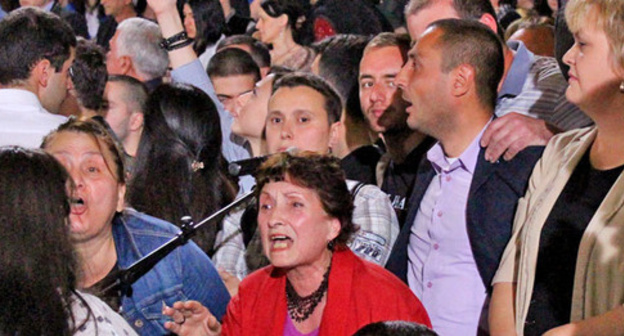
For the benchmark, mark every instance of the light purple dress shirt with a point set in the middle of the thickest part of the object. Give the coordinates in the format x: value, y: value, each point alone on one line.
x: 441, y: 268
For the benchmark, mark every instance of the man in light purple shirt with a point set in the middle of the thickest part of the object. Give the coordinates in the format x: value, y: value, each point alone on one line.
x: 462, y: 207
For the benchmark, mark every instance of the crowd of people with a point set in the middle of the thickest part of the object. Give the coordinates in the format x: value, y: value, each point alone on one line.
x: 396, y: 167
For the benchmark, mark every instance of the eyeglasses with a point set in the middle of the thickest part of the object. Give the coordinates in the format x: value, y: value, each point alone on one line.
x: 225, y: 99
x: 70, y: 71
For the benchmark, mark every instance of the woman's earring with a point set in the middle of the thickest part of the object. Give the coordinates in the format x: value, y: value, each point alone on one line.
x: 622, y: 87
x: 330, y: 245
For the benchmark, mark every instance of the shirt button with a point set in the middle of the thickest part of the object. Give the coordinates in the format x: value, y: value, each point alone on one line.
x: 439, y: 213
x: 138, y: 323
x: 429, y: 284
x: 436, y: 246
x: 448, y: 178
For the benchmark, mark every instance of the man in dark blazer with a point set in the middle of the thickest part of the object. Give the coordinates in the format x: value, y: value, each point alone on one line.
x: 462, y: 206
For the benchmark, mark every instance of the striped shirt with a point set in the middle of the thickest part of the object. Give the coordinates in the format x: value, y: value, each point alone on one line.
x: 534, y: 86
x: 373, y: 213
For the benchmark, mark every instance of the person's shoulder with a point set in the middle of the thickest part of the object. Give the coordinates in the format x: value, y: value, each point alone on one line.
x: 261, y: 279
x: 141, y: 224
x: 365, y: 191
x: 570, y: 140
x: 371, y: 274
x: 547, y: 73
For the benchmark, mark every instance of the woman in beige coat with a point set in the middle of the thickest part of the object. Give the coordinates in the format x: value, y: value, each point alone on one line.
x: 563, y: 270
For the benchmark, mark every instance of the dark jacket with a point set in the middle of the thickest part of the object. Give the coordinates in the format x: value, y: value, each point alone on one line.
x: 492, y: 200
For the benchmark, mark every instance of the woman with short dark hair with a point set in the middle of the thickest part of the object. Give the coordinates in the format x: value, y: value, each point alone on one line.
x: 315, y: 284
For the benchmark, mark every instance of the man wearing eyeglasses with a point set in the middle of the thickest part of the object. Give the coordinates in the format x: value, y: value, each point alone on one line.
x: 233, y: 73
x: 36, y: 52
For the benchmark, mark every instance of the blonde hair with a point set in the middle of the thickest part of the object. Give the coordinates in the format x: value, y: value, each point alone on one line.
x: 607, y: 15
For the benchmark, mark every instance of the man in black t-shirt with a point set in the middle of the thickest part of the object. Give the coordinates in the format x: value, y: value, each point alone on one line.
x: 384, y: 110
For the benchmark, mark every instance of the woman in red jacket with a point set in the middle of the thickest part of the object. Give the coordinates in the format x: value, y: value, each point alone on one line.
x: 315, y: 284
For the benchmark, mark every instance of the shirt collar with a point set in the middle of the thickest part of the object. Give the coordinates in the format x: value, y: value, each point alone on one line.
x: 466, y: 161
x: 19, y: 96
x: 519, y: 70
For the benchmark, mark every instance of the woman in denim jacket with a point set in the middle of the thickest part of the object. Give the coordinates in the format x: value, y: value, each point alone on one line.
x: 108, y: 237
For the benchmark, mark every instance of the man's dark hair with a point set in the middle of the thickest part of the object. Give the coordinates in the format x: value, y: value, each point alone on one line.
x: 339, y: 63
x: 258, y: 50
x: 233, y: 62
x: 333, y: 104
x: 28, y: 36
x: 466, y: 9
x: 135, y: 92
x: 89, y: 75
x: 395, y: 328
x: 472, y: 43
x: 401, y: 41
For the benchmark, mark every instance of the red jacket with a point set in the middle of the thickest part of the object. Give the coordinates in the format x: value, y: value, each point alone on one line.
x: 359, y: 293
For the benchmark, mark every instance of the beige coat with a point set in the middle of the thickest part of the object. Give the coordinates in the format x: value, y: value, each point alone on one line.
x: 599, y: 277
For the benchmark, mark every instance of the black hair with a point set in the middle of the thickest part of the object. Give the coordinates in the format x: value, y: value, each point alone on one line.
x: 37, y: 261
x: 89, y: 75
x: 135, y: 92
x: 180, y: 170
x: 473, y: 43
x: 209, y: 21
x: 232, y: 62
x: 258, y: 50
x: 333, y: 103
x: 339, y: 64
x: 28, y: 36
x: 298, y: 13
x: 395, y: 328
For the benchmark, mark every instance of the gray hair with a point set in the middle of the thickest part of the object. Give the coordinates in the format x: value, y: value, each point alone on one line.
x: 139, y: 39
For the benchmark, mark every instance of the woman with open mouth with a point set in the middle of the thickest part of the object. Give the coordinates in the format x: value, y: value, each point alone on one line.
x: 108, y: 237
x: 315, y: 285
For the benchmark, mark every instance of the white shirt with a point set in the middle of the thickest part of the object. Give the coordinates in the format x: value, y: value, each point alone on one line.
x: 23, y: 121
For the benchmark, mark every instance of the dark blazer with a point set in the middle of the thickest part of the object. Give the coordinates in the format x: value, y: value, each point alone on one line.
x: 492, y: 200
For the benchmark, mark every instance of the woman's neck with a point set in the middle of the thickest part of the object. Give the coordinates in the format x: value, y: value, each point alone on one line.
x: 607, y: 151
x: 97, y: 258
x: 307, y: 279
x: 283, y: 46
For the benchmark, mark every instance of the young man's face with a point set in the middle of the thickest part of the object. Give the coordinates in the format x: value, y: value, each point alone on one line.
x: 381, y: 104
x: 297, y: 118
x: 229, y: 88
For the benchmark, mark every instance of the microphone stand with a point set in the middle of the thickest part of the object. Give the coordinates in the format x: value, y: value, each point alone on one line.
x: 122, y: 280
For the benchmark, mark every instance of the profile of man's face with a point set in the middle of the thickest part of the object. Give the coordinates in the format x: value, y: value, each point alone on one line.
x: 55, y: 91
x: 113, y: 61
x: 229, y: 88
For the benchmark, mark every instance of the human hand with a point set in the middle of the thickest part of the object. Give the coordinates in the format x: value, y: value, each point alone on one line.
x: 512, y: 133
x: 191, y: 318
x: 564, y: 330
x: 162, y: 6
x: 231, y: 282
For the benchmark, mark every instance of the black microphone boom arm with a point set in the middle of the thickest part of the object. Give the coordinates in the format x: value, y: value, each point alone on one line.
x: 122, y: 280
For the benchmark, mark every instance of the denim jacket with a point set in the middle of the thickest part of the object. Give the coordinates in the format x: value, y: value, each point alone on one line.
x: 185, y: 274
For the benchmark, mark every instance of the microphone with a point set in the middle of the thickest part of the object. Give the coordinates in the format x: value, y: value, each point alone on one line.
x: 249, y: 166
